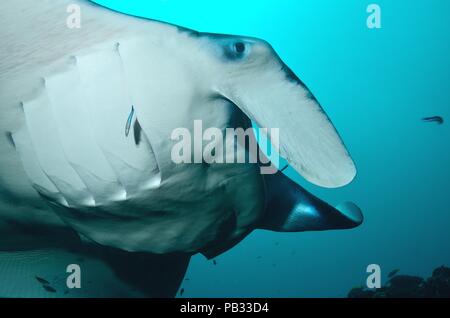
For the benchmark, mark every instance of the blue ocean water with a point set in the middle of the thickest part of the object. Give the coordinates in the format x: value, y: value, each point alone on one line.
x: 376, y: 85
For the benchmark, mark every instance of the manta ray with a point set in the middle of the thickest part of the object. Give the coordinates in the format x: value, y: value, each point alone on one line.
x: 86, y: 176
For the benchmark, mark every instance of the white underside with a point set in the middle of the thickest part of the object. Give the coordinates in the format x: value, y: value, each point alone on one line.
x: 67, y: 118
x: 75, y: 153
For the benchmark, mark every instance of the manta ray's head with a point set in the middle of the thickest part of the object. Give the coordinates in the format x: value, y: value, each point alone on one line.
x: 249, y: 73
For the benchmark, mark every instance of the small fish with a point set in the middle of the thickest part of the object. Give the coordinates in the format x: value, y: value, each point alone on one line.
x: 214, y: 262
x: 437, y: 119
x: 187, y: 279
x: 129, y: 121
x: 137, y: 129
x: 10, y: 139
x: 393, y: 273
x: 42, y: 280
x: 258, y: 257
x: 48, y: 288
x: 181, y: 291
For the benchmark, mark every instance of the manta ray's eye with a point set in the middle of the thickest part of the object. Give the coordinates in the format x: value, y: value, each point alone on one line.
x: 239, y: 47
x: 236, y: 50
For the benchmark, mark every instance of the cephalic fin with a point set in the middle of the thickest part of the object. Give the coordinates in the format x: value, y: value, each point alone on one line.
x: 290, y: 208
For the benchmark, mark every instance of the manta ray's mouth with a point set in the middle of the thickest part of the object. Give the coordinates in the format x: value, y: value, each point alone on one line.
x: 291, y: 208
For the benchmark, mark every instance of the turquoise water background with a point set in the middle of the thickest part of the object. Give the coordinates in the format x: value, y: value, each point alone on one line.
x: 376, y: 85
